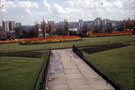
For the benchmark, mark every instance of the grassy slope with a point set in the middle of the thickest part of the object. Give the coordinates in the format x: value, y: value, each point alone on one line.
x: 117, y: 64
x: 19, y: 73
x: 4, y: 48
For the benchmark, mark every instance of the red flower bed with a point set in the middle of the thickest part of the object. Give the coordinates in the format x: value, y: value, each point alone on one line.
x: 113, y: 33
x: 49, y: 39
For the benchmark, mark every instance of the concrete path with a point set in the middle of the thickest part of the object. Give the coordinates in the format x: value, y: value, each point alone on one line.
x: 68, y: 72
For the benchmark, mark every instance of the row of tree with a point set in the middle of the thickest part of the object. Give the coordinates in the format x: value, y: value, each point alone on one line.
x: 20, y: 33
x: 109, y: 28
x: 46, y: 28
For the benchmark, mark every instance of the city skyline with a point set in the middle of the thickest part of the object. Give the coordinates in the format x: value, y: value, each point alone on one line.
x: 29, y: 11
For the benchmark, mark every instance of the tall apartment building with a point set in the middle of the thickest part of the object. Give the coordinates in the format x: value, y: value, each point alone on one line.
x: 80, y: 23
x: 98, y: 22
x: 5, y: 25
x: 105, y: 21
x: 8, y: 26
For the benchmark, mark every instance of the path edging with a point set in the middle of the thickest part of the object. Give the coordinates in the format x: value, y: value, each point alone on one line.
x: 45, y: 72
x: 117, y: 87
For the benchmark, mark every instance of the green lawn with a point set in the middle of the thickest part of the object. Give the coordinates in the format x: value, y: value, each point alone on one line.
x: 117, y: 64
x: 5, y: 48
x: 20, y: 73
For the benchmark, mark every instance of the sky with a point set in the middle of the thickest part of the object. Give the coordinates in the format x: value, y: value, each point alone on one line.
x: 29, y: 11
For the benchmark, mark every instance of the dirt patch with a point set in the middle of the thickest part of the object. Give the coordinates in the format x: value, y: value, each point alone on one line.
x: 32, y: 54
x: 100, y: 48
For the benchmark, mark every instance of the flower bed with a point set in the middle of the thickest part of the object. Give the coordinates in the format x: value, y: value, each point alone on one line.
x: 113, y: 33
x: 10, y: 41
x: 49, y: 39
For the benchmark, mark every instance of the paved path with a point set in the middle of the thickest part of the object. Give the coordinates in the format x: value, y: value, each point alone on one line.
x: 68, y: 72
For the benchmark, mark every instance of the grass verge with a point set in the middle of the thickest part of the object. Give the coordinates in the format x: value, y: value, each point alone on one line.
x: 7, y: 48
x: 41, y: 71
x: 20, y: 73
x: 117, y: 64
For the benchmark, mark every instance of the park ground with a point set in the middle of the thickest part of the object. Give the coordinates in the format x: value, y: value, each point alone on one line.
x: 7, y: 48
x: 117, y: 64
x: 21, y: 72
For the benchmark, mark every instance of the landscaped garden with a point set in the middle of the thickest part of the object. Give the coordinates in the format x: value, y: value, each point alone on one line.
x: 39, y: 40
x: 117, y: 64
x: 16, y: 47
x: 21, y: 73
x: 20, y: 64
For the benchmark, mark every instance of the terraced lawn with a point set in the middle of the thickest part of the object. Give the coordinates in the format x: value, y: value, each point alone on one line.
x: 117, y: 64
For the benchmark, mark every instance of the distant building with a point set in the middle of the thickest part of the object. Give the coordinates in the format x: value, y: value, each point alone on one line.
x: 98, y: 22
x: 52, y: 23
x: 105, y: 22
x: 1, y: 29
x: 73, y: 24
x: 89, y: 24
x: 115, y: 23
x: 12, y: 25
x: 8, y: 26
x: 5, y: 25
x: 62, y: 23
x: 73, y: 29
x: 80, y: 23
x: 18, y: 24
x: 2, y: 33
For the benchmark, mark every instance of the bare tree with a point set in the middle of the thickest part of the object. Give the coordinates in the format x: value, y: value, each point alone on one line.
x: 101, y: 26
x: 37, y: 27
x: 50, y: 29
x: 43, y: 28
x: 66, y: 27
x: 110, y: 29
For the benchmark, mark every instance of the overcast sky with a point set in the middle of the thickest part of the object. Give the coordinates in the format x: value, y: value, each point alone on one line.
x: 29, y: 11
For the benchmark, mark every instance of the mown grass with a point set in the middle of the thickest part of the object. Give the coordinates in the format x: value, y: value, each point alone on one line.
x: 7, y: 48
x: 45, y: 57
x: 117, y: 64
x: 20, y: 73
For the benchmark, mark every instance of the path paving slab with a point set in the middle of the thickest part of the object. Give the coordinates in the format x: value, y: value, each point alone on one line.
x: 69, y: 72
